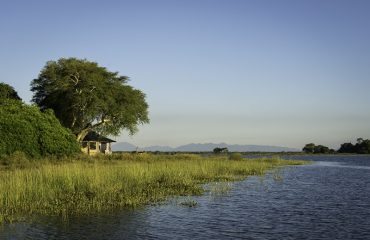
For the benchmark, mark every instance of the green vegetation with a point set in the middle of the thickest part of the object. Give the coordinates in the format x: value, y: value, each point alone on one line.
x: 26, y: 129
x: 71, y: 93
x: 220, y: 188
x: 189, y: 203
x: 361, y: 147
x: 89, y: 185
x: 8, y: 92
x: 312, y: 148
x: 93, y: 98
x: 218, y: 150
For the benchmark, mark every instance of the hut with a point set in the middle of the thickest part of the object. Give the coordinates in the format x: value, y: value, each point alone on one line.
x: 94, y: 143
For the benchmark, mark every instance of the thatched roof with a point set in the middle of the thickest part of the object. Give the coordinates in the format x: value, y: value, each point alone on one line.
x: 94, y: 136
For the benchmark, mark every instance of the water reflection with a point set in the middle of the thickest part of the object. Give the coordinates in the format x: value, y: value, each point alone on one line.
x: 107, y: 226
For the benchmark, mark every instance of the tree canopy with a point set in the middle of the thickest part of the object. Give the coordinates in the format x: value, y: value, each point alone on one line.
x: 362, y: 147
x: 25, y: 128
x: 8, y: 92
x: 312, y: 148
x: 86, y: 97
x: 309, y: 148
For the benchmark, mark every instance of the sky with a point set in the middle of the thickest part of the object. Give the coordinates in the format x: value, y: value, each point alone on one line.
x: 281, y: 73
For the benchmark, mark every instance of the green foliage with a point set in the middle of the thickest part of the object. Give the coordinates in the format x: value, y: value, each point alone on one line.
x: 309, y: 148
x: 86, y: 97
x: 347, y: 148
x: 8, y: 92
x: 25, y: 128
x: 362, y: 147
x: 321, y: 149
x: 236, y: 156
x: 312, y: 148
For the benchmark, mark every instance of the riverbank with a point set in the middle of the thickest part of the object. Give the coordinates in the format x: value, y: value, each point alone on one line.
x: 90, y: 185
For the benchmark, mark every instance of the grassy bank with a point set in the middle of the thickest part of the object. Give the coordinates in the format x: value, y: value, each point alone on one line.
x: 90, y: 185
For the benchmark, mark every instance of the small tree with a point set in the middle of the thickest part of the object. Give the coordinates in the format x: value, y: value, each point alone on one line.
x: 309, y: 148
x: 218, y: 150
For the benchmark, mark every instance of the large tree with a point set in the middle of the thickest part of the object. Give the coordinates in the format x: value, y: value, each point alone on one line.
x: 87, y: 97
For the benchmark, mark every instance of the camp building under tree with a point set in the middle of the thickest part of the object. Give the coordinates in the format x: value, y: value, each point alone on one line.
x: 94, y: 143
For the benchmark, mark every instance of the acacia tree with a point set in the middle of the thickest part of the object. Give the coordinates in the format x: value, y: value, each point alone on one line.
x: 87, y: 97
x: 218, y: 150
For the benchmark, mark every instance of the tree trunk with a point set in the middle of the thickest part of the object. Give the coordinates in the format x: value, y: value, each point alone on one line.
x: 81, y: 135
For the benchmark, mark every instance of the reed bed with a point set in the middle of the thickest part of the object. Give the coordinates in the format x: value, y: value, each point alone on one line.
x: 88, y: 185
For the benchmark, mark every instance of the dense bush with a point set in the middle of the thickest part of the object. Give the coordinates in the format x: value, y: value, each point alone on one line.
x: 8, y: 92
x: 25, y: 128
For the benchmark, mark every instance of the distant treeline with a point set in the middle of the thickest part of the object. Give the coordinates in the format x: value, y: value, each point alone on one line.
x: 361, y: 147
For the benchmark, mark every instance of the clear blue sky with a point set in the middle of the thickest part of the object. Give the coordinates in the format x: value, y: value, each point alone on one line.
x: 280, y: 73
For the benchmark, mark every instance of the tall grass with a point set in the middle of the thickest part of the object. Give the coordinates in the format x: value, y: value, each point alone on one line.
x: 90, y: 185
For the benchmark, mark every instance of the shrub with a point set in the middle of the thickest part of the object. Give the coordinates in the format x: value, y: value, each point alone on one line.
x: 25, y: 128
x: 236, y: 156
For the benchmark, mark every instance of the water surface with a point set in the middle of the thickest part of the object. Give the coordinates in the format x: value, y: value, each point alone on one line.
x: 329, y: 199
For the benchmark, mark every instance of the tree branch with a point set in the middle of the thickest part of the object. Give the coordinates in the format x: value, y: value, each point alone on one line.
x: 75, y: 78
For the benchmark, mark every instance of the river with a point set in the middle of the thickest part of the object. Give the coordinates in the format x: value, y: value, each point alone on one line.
x: 329, y: 199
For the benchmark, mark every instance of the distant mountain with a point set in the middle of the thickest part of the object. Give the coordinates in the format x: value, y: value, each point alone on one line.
x: 159, y: 148
x: 123, y: 146
x: 203, y: 147
x: 193, y: 147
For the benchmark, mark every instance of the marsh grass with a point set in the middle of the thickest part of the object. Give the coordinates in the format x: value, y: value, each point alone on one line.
x: 86, y: 185
x: 220, y: 188
x: 188, y: 203
x: 277, y: 175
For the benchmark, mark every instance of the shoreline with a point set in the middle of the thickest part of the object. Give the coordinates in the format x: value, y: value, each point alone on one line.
x: 104, y: 183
